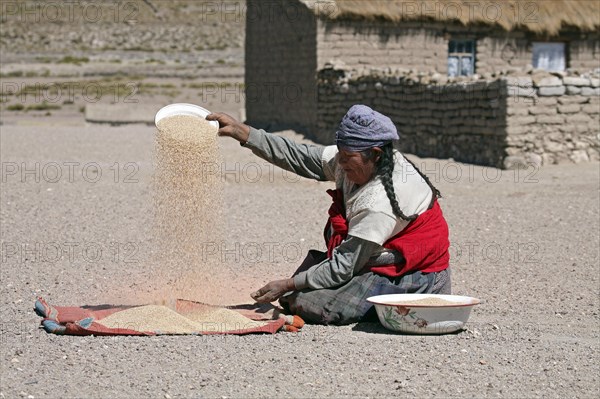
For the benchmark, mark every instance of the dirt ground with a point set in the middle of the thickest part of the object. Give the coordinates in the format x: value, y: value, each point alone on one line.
x: 76, y: 216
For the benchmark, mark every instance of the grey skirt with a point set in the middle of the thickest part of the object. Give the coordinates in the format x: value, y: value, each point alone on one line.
x: 347, y: 303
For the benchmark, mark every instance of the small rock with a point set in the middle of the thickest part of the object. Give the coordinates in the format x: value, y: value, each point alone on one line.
x: 576, y: 81
x: 552, y: 91
x: 514, y: 162
x: 588, y: 91
x: 14, y: 360
x: 482, y: 362
x: 544, y: 80
x: 579, y: 156
x: 533, y: 159
x: 518, y: 81
x: 167, y: 396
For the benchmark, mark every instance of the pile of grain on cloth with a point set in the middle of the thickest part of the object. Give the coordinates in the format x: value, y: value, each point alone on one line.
x: 188, y: 317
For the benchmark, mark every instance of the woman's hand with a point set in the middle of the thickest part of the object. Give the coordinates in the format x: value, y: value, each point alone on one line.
x: 229, y: 126
x: 273, y: 291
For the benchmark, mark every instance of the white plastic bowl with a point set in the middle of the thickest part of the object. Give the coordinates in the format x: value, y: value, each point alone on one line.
x: 423, y: 319
x: 183, y: 109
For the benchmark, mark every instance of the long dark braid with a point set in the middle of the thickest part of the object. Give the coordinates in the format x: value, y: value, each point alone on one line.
x: 385, y: 170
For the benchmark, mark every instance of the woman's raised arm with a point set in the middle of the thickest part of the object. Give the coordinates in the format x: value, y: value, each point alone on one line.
x: 303, y: 159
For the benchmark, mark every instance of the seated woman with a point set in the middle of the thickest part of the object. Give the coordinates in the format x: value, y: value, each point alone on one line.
x: 386, y: 233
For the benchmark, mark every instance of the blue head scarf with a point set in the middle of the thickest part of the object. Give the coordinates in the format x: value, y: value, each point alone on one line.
x: 363, y: 128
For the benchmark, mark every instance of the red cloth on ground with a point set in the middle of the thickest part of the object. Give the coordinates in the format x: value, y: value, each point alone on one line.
x: 74, y: 320
x: 423, y: 243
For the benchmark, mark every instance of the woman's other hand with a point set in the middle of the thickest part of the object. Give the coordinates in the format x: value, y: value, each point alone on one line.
x: 229, y: 126
x: 273, y: 291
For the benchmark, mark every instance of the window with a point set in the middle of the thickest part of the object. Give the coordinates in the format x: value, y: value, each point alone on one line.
x: 461, y: 57
x: 549, y: 56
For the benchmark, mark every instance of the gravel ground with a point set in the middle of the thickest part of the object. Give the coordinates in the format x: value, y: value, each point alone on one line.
x: 525, y: 242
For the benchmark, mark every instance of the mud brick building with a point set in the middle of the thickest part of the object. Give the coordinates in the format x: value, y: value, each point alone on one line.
x: 488, y: 82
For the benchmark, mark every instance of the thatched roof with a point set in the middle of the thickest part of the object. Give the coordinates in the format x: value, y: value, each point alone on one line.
x: 544, y: 17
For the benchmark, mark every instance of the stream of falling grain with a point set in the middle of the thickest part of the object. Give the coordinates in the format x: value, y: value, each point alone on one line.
x: 188, y: 198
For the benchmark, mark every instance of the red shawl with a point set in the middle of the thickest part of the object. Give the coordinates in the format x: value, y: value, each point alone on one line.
x: 423, y: 243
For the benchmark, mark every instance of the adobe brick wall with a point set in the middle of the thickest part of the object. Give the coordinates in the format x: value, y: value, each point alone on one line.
x: 381, y: 43
x: 585, y: 52
x: 423, y: 46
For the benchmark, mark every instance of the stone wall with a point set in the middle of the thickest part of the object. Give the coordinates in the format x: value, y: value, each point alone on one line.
x: 280, y: 66
x: 552, y: 119
x: 503, y: 122
x: 461, y: 121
